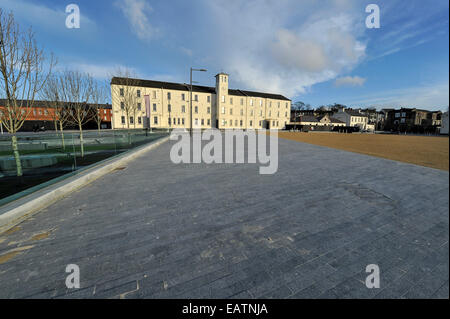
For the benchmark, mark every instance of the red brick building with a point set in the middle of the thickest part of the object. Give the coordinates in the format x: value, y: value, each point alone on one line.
x: 42, y: 114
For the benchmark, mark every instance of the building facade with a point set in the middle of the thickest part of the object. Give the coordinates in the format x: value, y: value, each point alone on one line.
x: 42, y: 114
x: 167, y: 105
x: 352, y: 118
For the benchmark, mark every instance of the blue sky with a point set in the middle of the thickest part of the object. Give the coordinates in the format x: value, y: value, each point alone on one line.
x: 319, y: 52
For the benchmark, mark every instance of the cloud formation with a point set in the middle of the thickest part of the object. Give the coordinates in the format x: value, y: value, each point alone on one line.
x: 433, y: 97
x: 349, y: 81
x: 137, y: 12
x: 284, y: 46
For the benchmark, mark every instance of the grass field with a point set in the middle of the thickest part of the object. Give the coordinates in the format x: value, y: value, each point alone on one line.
x: 420, y: 150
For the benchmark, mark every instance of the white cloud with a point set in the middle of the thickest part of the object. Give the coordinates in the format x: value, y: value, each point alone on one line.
x: 349, y: 81
x: 283, y: 46
x: 432, y: 97
x: 137, y: 12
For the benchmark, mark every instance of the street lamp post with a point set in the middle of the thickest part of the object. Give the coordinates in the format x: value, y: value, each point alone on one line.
x: 190, y: 96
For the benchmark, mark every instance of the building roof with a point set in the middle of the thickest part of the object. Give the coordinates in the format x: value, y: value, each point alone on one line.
x: 195, y: 88
x: 308, y: 118
x: 354, y: 113
x: 332, y: 119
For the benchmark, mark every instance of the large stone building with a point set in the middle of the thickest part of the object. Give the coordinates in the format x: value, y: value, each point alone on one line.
x: 166, y: 105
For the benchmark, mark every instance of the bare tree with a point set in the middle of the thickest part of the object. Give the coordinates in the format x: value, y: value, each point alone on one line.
x: 24, y: 69
x: 77, y: 90
x: 99, y: 95
x: 53, y: 93
x: 124, y: 87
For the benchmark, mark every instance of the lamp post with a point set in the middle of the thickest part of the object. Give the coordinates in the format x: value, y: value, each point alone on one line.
x: 190, y: 93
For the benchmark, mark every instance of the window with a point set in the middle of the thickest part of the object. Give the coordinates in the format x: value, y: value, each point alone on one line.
x: 196, y: 98
x: 104, y: 111
x: 251, y: 113
x: 278, y: 104
x: 154, y: 107
x: 251, y: 123
x: 223, y: 122
x: 139, y: 106
x: 169, y: 108
x: 402, y: 120
x: 138, y: 93
x: 240, y: 122
x: 260, y: 102
x: 208, y: 99
x: 270, y: 113
x: 169, y: 121
x: 183, y: 97
x: 242, y: 112
x: 122, y: 105
x: 196, y: 110
x: 209, y: 122
x: 106, y: 118
x: 223, y: 98
x: 121, y: 91
x: 397, y: 114
x: 131, y: 120
x: 182, y: 121
x: 196, y: 122
x: 208, y: 110
x: 139, y: 120
x: 34, y: 112
x: 123, y: 119
x: 231, y: 100
x: 223, y: 109
x: 154, y: 94
x: 403, y: 114
x: 251, y: 102
x: 285, y: 114
x: 169, y: 95
x: 155, y: 120
x: 203, y: 122
x: 260, y: 123
x: 260, y: 112
x: 287, y: 105
x: 45, y: 112
x: 242, y: 101
x: 183, y: 109
x: 231, y: 111
x: 270, y: 104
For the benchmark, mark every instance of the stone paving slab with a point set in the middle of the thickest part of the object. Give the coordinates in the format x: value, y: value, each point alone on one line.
x: 160, y: 230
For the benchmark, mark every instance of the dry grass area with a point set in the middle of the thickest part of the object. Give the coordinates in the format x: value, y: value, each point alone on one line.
x: 420, y: 150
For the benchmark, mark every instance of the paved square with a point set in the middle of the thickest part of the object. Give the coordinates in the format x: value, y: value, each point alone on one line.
x: 159, y: 230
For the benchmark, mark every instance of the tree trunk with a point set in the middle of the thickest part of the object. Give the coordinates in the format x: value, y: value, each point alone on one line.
x: 81, y: 140
x: 16, y: 155
x: 62, y: 135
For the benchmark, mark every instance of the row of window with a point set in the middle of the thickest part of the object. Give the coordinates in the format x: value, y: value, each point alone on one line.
x: 195, y: 98
x: 223, y: 111
x: 131, y: 120
x: 122, y: 92
x: 359, y: 119
x: 251, y: 102
x: 230, y: 123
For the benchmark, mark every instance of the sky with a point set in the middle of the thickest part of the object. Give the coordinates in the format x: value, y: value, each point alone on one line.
x: 316, y: 51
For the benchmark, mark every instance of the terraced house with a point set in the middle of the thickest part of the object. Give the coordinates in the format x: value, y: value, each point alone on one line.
x: 167, y: 105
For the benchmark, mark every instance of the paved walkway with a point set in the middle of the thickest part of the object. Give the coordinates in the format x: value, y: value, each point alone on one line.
x: 159, y: 230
